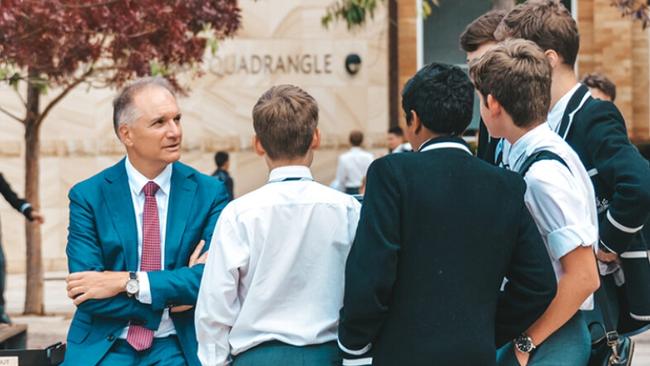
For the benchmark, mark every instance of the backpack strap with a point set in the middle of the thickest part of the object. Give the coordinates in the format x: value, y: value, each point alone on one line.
x: 538, y: 156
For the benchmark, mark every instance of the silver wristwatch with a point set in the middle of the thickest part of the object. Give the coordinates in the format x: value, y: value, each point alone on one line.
x: 524, y: 343
x: 132, y: 285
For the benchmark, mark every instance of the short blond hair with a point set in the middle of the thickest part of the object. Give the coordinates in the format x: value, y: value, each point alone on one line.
x: 285, y: 119
x: 518, y: 75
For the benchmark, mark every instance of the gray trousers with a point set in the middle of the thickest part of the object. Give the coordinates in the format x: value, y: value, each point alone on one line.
x: 281, y: 354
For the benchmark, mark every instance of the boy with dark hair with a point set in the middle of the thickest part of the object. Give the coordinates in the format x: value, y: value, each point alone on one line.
x: 595, y: 129
x: 513, y: 81
x: 476, y: 39
x: 600, y: 86
x: 420, y: 288
x: 222, y: 160
x: 273, y: 284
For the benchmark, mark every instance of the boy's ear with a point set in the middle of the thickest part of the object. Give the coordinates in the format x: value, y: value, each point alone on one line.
x: 257, y: 146
x: 553, y: 58
x: 315, y: 141
x: 416, y: 121
x: 493, y: 106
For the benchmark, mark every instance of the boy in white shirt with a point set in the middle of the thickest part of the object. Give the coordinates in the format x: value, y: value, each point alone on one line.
x: 513, y: 81
x: 273, y: 283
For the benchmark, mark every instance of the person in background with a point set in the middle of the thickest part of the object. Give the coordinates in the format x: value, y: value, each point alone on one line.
x: 222, y: 160
x: 273, y: 283
x: 395, y: 141
x: 352, y: 166
x: 600, y: 86
x: 26, y: 209
x: 476, y: 39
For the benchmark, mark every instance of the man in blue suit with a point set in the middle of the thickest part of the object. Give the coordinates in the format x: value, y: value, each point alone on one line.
x: 135, y: 241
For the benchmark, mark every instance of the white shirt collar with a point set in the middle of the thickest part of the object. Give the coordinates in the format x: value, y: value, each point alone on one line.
x: 290, y: 171
x: 525, y: 145
x: 557, y: 112
x: 137, y: 181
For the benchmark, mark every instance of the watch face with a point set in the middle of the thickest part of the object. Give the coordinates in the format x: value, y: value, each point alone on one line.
x: 132, y: 287
x: 524, y: 344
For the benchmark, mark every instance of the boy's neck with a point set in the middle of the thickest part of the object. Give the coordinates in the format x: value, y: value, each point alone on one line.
x: 278, y: 163
x: 515, y: 132
x: 563, y: 80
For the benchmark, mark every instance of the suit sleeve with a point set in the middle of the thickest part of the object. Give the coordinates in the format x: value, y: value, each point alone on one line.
x: 17, y: 203
x: 372, y: 264
x: 531, y: 283
x: 181, y: 286
x: 84, y: 254
x: 621, y: 167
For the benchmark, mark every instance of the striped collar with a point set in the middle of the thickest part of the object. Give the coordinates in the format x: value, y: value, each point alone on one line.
x: 446, y: 142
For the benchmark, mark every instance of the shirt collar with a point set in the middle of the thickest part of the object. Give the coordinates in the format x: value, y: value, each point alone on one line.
x: 137, y: 181
x: 525, y: 146
x: 291, y: 171
x: 557, y: 112
x: 444, y: 142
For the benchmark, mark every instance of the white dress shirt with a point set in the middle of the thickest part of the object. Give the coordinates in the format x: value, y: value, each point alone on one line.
x: 137, y: 182
x: 560, y: 200
x: 557, y: 112
x: 276, y: 267
x: 352, y: 167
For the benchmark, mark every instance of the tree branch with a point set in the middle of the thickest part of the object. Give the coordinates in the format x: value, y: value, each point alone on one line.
x: 109, y: 2
x: 20, y: 97
x: 61, y: 95
x: 11, y: 115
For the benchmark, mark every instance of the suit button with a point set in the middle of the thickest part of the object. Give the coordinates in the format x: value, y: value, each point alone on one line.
x: 110, y: 338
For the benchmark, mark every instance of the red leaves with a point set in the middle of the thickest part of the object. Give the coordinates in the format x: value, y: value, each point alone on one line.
x: 120, y: 38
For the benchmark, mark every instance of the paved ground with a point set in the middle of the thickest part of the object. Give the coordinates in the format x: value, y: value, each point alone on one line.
x: 47, y: 330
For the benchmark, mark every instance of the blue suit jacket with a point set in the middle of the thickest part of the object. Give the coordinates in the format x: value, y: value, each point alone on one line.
x: 102, y: 236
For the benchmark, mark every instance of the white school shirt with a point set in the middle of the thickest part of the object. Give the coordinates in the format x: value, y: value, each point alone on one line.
x: 137, y: 182
x: 351, y: 169
x: 276, y: 267
x: 560, y: 200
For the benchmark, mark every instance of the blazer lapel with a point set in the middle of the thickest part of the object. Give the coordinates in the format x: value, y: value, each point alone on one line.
x: 575, y: 103
x: 117, y: 196
x: 181, y: 196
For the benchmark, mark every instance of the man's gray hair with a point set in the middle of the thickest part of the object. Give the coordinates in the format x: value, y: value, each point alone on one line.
x: 123, y: 109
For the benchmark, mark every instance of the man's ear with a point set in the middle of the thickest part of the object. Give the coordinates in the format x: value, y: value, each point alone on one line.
x: 257, y: 146
x: 124, y: 134
x: 553, y: 58
x: 415, y: 120
x: 315, y: 141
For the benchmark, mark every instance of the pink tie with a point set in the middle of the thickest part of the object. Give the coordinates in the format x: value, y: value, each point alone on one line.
x: 140, y: 338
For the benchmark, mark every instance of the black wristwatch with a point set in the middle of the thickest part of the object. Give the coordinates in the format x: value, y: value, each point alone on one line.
x: 524, y: 343
x: 132, y: 285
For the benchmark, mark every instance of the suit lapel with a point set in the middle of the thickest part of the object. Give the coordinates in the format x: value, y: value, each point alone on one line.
x: 576, y: 101
x: 181, y: 196
x: 117, y: 196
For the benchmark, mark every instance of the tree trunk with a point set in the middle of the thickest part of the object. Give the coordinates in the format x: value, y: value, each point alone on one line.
x: 503, y: 4
x: 34, y: 289
x: 393, y: 66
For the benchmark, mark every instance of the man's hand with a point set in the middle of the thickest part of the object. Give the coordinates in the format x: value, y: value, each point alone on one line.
x: 84, y: 286
x: 522, y: 358
x: 606, y: 257
x: 37, y: 217
x: 195, y: 258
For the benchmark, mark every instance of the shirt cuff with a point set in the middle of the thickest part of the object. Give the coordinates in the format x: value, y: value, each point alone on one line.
x: 24, y: 207
x: 568, y: 238
x: 144, y: 295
